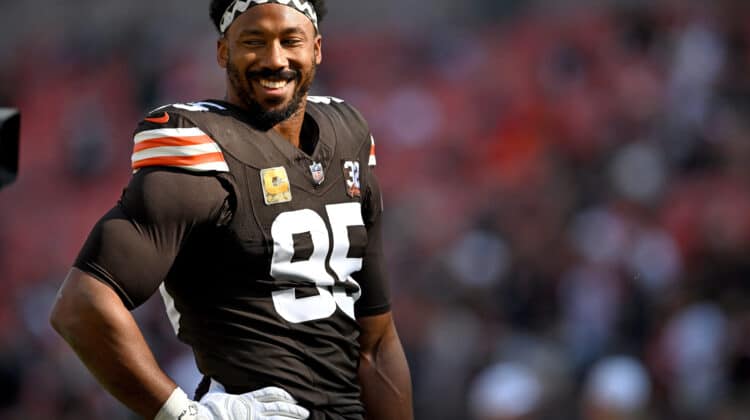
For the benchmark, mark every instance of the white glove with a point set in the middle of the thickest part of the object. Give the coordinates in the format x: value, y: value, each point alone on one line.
x: 269, y: 403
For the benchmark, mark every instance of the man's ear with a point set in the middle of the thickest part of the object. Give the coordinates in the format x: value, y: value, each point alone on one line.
x: 222, y: 52
x: 318, y: 49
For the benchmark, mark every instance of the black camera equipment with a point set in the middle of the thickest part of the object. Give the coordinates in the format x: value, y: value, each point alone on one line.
x: 10, y: 128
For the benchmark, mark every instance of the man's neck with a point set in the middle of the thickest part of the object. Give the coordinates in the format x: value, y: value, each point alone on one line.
x: 291, y: 128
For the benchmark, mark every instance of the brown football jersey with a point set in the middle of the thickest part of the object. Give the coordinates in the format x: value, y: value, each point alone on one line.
x: 265, y: 255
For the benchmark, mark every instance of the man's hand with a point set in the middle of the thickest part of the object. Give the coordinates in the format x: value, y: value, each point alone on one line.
x: 263, y: 404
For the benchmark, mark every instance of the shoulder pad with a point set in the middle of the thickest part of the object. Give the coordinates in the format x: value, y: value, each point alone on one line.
x: 352, y: 114
x: 340, y: 107
x: 201, y: 106
x: 324, y: 99
x: 167, y: 137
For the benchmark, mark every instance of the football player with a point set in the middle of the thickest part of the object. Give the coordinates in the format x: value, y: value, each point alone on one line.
x: 257, y: 218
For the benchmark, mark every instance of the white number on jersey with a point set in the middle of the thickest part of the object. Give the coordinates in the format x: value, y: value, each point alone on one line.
x: 193, y: 107
x: 330, y: 294
x: 327, y: 100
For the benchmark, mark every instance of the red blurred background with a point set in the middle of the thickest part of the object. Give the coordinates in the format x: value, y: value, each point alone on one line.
x: 566, y: 193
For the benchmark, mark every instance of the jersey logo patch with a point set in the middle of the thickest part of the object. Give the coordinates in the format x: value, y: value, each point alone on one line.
x: 316, y: 170
x: 276, y: 187
x: 159, y: 120
x: 351, y: 176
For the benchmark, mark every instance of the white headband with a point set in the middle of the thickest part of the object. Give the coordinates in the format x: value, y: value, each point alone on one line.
x: 238, y: 7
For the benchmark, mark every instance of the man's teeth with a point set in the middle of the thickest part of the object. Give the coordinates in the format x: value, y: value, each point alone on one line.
x: 269, y: 84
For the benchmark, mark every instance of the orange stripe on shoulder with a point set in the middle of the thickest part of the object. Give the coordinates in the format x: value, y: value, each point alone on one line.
x: 171, y: 141
x: 179, y: 160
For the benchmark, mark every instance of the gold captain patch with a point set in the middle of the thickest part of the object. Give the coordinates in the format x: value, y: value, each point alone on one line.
x: 276, y: 187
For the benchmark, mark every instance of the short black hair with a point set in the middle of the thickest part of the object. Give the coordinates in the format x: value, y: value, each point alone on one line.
x: 218, y: 7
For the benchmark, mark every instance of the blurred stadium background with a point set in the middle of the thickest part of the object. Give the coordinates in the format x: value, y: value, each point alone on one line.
x: 566, y: 183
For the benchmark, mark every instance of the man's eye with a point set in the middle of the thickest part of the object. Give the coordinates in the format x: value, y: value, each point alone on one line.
x: 291, y: 42
x: 253, y: 42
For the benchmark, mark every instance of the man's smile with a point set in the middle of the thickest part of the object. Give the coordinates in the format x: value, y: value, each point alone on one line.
x: 270, y: 84
x: 273, y: 86
x: 273, y: 90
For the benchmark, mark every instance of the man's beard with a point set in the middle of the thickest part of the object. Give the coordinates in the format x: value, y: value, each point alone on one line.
x: 261, y: 117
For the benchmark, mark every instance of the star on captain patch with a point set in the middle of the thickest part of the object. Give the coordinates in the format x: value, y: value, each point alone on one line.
x: 316, y: 169
x: 276, y: 187
x: 351, y: 176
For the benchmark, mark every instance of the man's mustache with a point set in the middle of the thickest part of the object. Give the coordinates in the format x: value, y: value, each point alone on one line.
x: 276, y: 75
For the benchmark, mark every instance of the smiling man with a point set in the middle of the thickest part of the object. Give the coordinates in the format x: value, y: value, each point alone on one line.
x: 257, y: 218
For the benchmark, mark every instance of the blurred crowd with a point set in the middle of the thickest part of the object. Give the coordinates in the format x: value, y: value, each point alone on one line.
x: 567, y: 202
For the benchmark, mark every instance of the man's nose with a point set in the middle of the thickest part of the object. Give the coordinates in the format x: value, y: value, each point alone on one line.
x: 275, y: 57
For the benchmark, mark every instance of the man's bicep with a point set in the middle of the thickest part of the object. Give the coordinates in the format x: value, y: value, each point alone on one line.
x: 132, y: 248
x: 126, y: 257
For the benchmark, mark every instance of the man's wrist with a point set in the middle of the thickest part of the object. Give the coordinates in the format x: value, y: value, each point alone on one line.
x: 178, y: 406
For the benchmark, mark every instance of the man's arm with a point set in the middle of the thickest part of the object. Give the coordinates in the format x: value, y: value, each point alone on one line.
x: 125, y: 258
x: 93, y: 320
x: 383, y: 371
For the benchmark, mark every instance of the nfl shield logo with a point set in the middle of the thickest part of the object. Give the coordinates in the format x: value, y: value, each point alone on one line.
x: 316, y: 169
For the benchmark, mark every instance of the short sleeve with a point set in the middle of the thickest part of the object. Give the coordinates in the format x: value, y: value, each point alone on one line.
x: 134, y: 245
x: 372, y: 277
